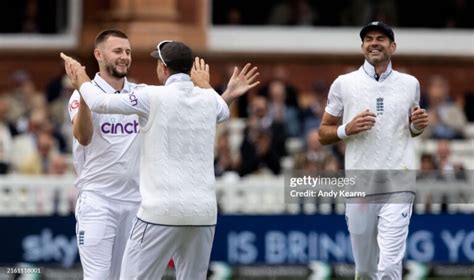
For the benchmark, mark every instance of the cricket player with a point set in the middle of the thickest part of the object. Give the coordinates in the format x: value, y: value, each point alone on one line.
x: 375, y: 110
x: 178, y: 212
x: 105, y: 156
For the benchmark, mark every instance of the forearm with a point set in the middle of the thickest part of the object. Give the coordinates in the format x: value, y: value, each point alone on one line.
x: 328, y: 134
x: 228, y: 97
x: 82, y: 124
x: 93, y: 97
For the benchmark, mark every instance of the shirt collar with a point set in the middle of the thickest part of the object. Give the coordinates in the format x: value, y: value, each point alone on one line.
x: 179, y: 77
x: 105, y: 87
x: 369, y: 69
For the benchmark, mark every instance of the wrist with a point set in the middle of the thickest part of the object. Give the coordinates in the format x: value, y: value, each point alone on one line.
x: 415, y: 130
x: 341, y: 132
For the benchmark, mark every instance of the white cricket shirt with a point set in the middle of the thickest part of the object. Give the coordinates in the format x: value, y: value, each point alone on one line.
x: 178, y: 124
x: 388, y: 145
x: 109, y: 165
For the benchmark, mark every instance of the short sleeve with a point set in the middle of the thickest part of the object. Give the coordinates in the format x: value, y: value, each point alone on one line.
x: 223, y: 112
x: 335, y: 106
x: 73, y: 105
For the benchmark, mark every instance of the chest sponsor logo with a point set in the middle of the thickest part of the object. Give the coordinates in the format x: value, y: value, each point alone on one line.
x: 120, y: 128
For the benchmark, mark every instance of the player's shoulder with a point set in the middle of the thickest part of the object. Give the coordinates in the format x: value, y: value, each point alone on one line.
x: 407, y: 78
x: 137, y: 86
x: 348, y: 76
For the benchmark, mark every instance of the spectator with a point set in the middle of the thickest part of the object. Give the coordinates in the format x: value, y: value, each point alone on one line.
x: 223, y: 161
x: 312, y: 107
x: 57, y: 165
x: 449, y: 170
x: 23, y: 98
x: 38, y: 162
x: 428, y: 169
x: 315, y: 155
x: 281, y: 113
x: 27, y: 146
x: 280, y: 73
x: 7, y: 131
x: 264, y: 141
x: 447, y: 120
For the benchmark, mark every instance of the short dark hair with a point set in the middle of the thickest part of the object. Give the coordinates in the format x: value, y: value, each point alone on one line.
x: 105, y: 34
x: 177, y: 56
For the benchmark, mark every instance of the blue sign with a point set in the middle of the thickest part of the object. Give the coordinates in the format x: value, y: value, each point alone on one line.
x: 298, y: 239
x: 241, y: 240
x: 41, y: 240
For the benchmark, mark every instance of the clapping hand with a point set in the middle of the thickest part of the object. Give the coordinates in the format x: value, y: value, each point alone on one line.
x: 75, y: 71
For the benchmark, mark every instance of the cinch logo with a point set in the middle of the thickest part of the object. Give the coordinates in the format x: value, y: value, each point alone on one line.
x: 119, y: 128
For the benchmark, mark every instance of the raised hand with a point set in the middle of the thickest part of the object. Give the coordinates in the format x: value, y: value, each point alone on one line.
x: 240, y: 83
x: 75, y: 71
x: 200, y: 73
x: 244, y: 81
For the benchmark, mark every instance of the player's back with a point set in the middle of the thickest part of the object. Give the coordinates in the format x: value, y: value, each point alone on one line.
x: 177, y: 173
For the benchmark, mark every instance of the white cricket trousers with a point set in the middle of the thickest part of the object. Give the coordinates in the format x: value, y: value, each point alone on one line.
x: 102, y: 229
x: 151, y: 246
x: 378, y: 235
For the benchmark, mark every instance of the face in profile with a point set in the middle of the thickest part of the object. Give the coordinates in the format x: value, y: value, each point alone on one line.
x: 377, y: 47
x: 115, y: 54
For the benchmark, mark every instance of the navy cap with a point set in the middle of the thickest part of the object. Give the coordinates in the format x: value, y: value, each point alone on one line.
x: 379, y: 26
x: 175, y: 55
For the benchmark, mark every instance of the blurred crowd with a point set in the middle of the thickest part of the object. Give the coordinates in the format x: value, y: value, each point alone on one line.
x: 401, y: 13
x: 35, y: 131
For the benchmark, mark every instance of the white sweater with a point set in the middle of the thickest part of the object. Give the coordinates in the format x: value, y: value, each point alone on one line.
x: 177, y: 127
x: 388, y: 145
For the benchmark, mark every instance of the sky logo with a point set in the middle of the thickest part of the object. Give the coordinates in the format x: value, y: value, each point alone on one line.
x: 120, y: 128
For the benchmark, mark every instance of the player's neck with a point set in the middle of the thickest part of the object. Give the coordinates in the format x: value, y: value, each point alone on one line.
x: 380, y: 68
x: 115, y: 83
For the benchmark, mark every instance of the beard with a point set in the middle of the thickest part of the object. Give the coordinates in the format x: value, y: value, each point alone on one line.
x: 112, y: 70
x: 378, y: 59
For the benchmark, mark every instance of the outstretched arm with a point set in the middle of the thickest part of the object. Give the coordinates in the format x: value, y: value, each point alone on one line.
x: 97, y: 101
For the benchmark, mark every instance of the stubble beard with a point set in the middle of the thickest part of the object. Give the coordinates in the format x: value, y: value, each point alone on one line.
x: 115, y: 73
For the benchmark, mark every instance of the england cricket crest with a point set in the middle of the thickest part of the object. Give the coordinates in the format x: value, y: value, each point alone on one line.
x: 379, y: 106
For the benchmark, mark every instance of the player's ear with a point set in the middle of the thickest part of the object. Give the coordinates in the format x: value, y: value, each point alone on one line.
x: 393, y: 46
x: 97, y: 55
